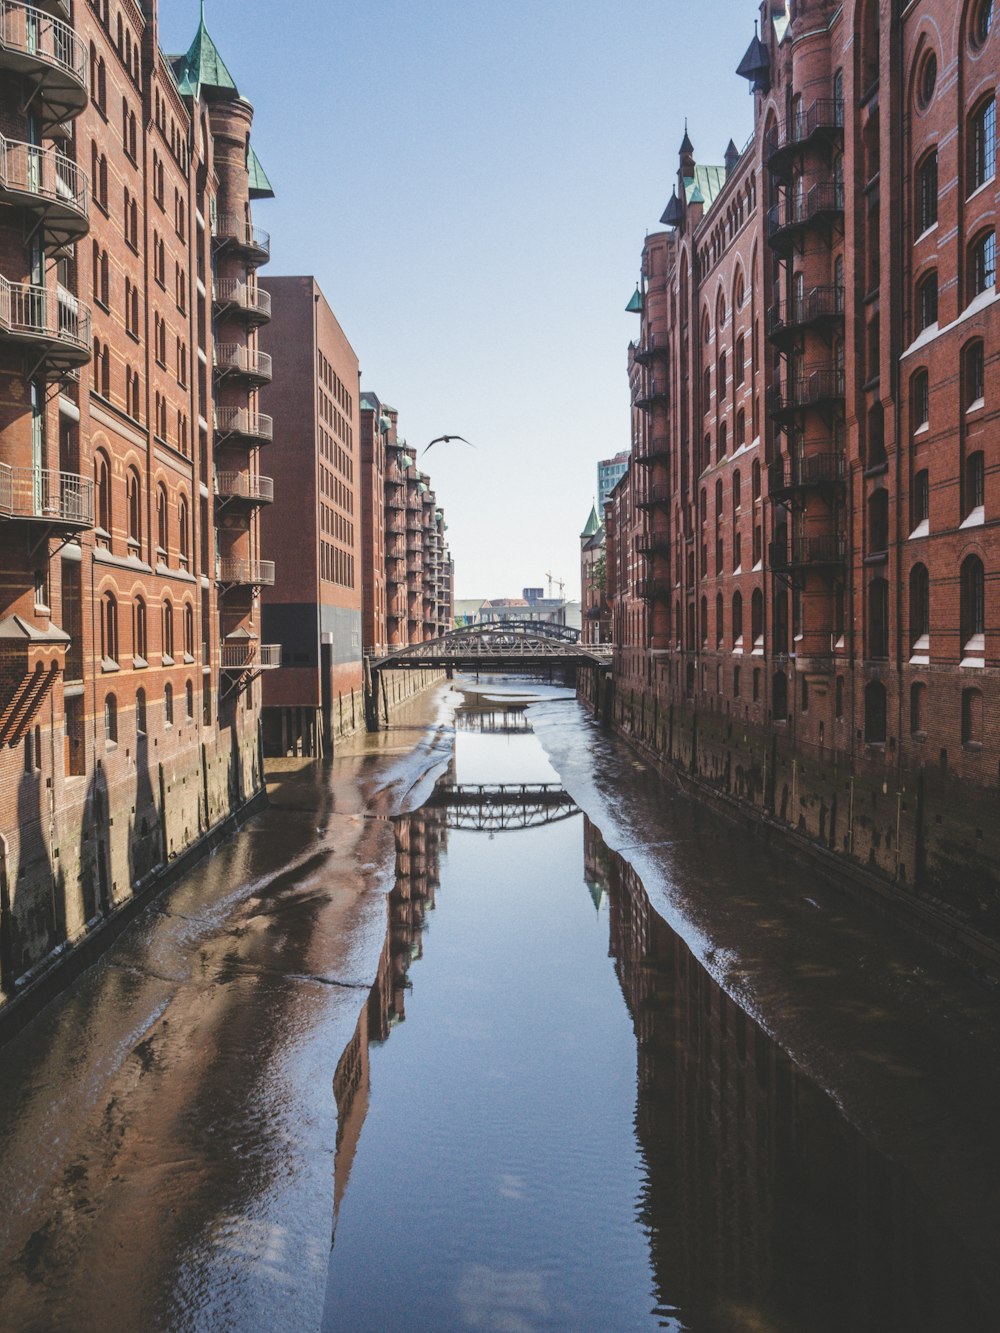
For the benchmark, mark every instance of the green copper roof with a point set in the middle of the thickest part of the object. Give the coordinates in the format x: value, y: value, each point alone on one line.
x: 260, y: 186
x: 368, y: 403
x: 704, y: 185
x: 421, y: 487
x: 593, y: 523
x: 634, y: 306
x: 202, y: 66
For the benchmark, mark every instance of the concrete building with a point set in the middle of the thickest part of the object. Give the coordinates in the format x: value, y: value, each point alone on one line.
x: 313, y: 609
x: 609, y: 473
x: 129, y: 633
x: 807, y: 533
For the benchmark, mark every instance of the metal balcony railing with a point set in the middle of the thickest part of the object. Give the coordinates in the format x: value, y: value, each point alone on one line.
x: 242, y: 421
x: 649, y: 391
x: 243, y: 486
x: 43, y: 177
x: 810, y: 390
x: 228, y: 229
x: 35, y: 43
x: 657, y: 539
x: 52, y: 318
x: 47, y: 496
x: 656, y: 495
x: 803, y: 552
x: 238, y: 359
x: 810, y: 471
x: 257, y: 573
x: 645, y: 352
x: 254, y: 302
x: 250, y: 656
x: 796, y: 212
x: 825, y: 116
x: 817, y: 306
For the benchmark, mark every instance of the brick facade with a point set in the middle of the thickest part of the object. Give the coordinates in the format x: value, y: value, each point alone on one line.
x: 128, y: 627
x: 803, y: 549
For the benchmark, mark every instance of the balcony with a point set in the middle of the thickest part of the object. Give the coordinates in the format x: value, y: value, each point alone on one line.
x: 255, y: 427
x: 254, y: 490
x: 656, y: 495
x: 821, y: 122
x: 821, y: 308
x: 644, y: 354
x: 41, y: 495
x: 790, y: 218
x: 245, y: 573
x: 251, y: 304
x: 654, y: 542
x: 652, y: 390
x: 49, y: 186
x: 807, y: 553
x: 48, y: 53
x: 235, y: 233
x: 816, y: 389
x: 651, y: 451
x: 394, y: 497
x: 51, y: 322
x: 649, y: 589
x: 249, y: 655
x: 786, y: 476
x: 237, y: 360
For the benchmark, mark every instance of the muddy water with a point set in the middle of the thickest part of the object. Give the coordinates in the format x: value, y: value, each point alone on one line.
x: 427, y: 1046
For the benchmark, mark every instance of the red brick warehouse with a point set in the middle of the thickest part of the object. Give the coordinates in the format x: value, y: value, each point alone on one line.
x: 802, y: 551
x: 129, y: 488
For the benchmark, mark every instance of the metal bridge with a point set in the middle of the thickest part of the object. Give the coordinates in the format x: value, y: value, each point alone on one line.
x: 495, y: 807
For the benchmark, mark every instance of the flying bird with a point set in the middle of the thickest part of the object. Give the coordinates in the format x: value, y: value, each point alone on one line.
x: 444, y: 439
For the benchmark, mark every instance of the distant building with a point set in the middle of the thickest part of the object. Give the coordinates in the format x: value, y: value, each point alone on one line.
x: 609, y: 473
x: 596, y: 610
x: 314, y: 608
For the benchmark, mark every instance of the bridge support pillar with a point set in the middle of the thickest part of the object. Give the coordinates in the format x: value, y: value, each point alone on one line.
x: 372, y: 684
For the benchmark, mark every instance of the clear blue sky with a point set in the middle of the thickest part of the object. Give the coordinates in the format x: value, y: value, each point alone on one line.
x: 471, y: 184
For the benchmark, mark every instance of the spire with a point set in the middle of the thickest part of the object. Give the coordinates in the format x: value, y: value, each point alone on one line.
x: 201, y: 68
x: 755, y: 66
x: 673, y: 214
x: 686, y: 145
x: 634, y: 306
x: 593, y: 523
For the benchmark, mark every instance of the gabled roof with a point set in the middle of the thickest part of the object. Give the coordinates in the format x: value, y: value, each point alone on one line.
x: 706, y: 181
x: 593, y: 523
x: 260, y: 186
x: 202, y: 67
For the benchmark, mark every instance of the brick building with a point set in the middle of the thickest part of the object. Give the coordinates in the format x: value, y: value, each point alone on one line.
x: 594, y: 608
x: 129, y: 645
x: 802, y: 548
x: 408, y: 570
x: 313, y: 610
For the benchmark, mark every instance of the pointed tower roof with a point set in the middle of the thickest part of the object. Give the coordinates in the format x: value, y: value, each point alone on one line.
x: 673, y: 214
x: 260, y: 186
x: 686, y: 145
x: 202, y: 68
x: 593, y: 523
x: 634, y: 306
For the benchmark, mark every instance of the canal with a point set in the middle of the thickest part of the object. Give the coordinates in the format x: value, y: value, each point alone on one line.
x: 487, y: 1028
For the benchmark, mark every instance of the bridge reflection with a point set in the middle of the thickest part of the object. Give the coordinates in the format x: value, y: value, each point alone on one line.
x: 493, y: 721
x: 496, y: 807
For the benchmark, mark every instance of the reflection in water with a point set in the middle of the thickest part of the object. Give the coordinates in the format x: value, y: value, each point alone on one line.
x: 760, y: 1198
x: 755, y: 1204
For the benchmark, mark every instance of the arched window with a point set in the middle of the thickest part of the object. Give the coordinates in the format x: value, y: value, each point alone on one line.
x: 140, y: 712
x: 927, y: 302
x: 878, y: 618
x: 140, y: 637
x: 878, y: 522
x: 110, y: 719
x: 920, y: 500
x: 719, y: 629
x: 741, y: 429
x: 102, y: 485
x: 737, y: 619
x: 183, y: 532
x: 920, y: 609
x: 755, y: 480
x: 926, y: 80
x: 982, y: 269
x: 109, y: 629
x: 926, y: 208
x: 875, y: 713
x: 162, y: 522
x: 973, y: 604
x: 189, y: 630
x: 168, y: 631
x: 974, y: 497
x: 973, y: 374
x: 189, y: 701
x: 704, y: 622
x: 981, y: 24
x: 920, y: 399
x: 168, y: 705
x: 757, y: 619
x: 723, y: 377
x: 133, y: 488
x: 982, y: 144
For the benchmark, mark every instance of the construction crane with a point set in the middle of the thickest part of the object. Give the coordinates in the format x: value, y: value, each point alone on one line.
x: 560, y: 583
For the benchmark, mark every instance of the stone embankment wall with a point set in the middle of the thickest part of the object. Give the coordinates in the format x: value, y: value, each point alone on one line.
x: 923, y: 842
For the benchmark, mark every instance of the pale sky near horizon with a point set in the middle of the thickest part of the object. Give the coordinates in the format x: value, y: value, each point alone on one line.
x: 471, y: 185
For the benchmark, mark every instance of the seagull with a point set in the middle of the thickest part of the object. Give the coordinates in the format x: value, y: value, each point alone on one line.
x: 444, y: 439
